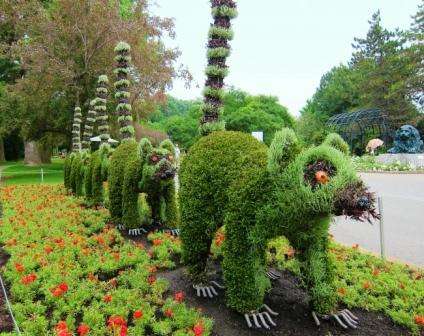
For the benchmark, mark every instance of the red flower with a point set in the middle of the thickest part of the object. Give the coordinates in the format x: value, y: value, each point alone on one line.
x: 19, y: 267
x: 48, y: 249
x: 419, y: 319
x: 116, y: 321
x: 27, y: 279
x: 198, y: 329
x: 83, y: 329
x: 57, y: 292
x: 169, y: 313
x: 157, y: 242
x: 138, y: 314
x: 63, y: 286
x: 151, y: 279
x: 107, y: 298
x: 366, y: 285
x: 61, y: 325
x: 179, y: 297
x: 64, y: 333
x: 124, y: 330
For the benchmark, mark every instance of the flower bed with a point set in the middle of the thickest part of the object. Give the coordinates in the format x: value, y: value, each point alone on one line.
x: 368, y: 282
x: 70, y: 274
x: 368, y: 163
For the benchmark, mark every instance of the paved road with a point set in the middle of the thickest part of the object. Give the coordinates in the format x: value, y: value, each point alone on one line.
x: 403, y: 208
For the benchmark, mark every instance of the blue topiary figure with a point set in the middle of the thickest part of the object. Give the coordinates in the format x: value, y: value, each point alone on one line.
x: 230, y: 179
x: 407, y: 140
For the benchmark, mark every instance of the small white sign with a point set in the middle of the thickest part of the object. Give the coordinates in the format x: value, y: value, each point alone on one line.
x: 258, y: 135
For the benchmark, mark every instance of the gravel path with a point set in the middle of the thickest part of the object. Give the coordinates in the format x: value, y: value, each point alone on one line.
x: 403, y: 209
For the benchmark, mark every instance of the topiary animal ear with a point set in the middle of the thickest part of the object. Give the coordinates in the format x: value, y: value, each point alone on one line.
x: 145, y: 147
x: 283, y: 150
x: 168, y: 145
x: 336, y: 141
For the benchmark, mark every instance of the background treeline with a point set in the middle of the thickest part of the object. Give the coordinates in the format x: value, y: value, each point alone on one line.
x: 242, y: 112
x: 386, y: 71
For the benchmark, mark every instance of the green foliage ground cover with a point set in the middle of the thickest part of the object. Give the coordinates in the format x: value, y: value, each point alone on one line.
x: 369, y: 163
x: 69, y: 271
x: 366, y: 281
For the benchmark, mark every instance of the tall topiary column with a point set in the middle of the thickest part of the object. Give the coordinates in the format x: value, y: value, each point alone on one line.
x: 123, y: 60
x: 89, y: 125
x: 101, y: 100
x: 223, y: 11
x: 76, y: 130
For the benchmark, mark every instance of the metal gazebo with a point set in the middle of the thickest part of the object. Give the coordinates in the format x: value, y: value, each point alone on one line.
x: 359, y: 126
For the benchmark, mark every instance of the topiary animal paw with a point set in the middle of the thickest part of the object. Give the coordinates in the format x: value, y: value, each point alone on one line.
x: 261, y: 319
x: 137, y: 232
x: 345, y: 318
x: 273, y: 274
x: 208, y: 290
x: 172, y: 232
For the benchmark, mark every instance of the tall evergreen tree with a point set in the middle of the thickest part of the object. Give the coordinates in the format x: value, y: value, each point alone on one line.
x: 385, y: 71
x: 123, y: 61
x: 76, y: 130
x: 223, y: 11
x: 102, y: 116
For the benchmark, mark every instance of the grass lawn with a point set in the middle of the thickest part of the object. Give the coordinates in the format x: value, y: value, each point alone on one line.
x: 18, y: 173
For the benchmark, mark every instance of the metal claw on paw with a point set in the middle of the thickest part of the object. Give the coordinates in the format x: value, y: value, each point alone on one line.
x: 172, y: 232
x: 208, y: 291
x: 345, y: 318
x: 137, y: 232
x: 273, y: 274
x: 120, y: 227
x: 261, y: 319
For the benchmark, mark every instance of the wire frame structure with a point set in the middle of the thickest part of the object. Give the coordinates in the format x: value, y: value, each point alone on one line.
x: 359, y: 126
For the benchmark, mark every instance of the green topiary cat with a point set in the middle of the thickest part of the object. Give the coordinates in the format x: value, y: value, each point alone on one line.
x: 142, y: 168
x: 231, y: 179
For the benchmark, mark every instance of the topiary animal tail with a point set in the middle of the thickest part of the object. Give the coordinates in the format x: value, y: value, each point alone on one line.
x: 223, y: 11
x: 123, y: 109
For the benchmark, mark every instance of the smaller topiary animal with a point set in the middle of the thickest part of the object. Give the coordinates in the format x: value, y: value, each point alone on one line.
x: 230, y: 179
x: 142, y: 168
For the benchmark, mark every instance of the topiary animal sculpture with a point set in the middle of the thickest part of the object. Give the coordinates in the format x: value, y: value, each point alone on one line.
x: 407, y: 140
x: 142, y: 168
x: 231, y: 179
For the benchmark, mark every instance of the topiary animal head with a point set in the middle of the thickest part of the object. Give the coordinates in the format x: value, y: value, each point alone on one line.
x: 320, y: 180
x: 158, y: 162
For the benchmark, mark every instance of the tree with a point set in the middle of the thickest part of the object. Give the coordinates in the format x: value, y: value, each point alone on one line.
x: 63, y: 48
x: 260, y: 113
x: 386, y: 72
x: 415, y: 53
x: 223, y: 11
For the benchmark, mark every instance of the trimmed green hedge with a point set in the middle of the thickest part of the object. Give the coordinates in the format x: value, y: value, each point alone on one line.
x: 117, y: 168
x: 230, y: 179
x: 336, y: 141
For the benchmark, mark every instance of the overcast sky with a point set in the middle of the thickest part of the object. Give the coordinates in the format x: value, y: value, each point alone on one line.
x: 281, y: 47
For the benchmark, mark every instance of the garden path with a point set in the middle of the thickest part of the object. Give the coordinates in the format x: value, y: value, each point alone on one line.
x: 403, y: 202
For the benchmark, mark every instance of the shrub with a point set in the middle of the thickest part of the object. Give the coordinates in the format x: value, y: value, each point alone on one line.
x: 117, y: 166
x: 67, y: 166
x: 336, y: 141
x: 150, y: 171
x: 100, y: 166
x: 225, y: 181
